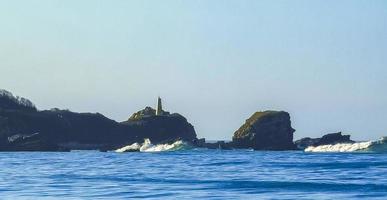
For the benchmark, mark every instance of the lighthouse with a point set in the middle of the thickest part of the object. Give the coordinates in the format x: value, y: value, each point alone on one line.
x: 159, y: 110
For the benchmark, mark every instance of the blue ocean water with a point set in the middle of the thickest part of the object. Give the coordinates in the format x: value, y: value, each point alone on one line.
x: 193, y: 174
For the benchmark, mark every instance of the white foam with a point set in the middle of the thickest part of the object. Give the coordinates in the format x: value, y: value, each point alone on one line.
x: 350, y: 147
x: 147, y: 146
x: 341, y: 147
x: 133, y: 147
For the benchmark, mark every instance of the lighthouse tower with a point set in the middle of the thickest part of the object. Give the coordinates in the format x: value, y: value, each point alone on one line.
x: 159, y: 110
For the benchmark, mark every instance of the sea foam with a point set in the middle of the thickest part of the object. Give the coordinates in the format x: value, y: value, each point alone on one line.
x: 147, y: 146
x: 132, y: 147
x: 379, y: 146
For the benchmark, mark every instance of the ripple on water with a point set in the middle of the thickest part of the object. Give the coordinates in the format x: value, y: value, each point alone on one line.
x: 209, y: 174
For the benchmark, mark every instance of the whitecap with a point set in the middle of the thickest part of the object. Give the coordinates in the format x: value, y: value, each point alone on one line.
x: 147, y: 146
x: 133, y: 147
x: 370, y: 146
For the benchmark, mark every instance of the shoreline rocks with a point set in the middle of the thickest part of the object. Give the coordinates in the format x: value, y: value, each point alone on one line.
x: 331, y: 138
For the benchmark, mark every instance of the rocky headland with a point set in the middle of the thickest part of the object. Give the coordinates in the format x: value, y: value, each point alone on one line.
x: 25, y: 128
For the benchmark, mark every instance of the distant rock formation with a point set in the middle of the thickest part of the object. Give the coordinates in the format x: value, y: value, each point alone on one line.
x: 24, y: 128
x: 331, y: 138
x: 269, y: 130
x: 201, y: 143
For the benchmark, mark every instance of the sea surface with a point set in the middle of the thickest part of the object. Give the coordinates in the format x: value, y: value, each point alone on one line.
x: 193, y: 174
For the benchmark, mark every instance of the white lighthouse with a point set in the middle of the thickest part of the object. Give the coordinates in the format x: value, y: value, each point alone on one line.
x: 159, y: 109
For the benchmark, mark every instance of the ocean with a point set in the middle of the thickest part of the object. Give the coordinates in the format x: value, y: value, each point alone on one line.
x: 193, y: 174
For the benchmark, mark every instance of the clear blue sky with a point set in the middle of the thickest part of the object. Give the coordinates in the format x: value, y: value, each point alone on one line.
x: 215, y: 62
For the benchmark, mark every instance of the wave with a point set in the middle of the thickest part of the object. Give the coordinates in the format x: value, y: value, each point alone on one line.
x: 378, y: 146
x: 129, y: 148
x: 147, y: 146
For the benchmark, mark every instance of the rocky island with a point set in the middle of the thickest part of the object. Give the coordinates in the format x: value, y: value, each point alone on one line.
x: 268, y: 130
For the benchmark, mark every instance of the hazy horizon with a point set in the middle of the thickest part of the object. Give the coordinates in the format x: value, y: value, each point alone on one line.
x: 215, y: 62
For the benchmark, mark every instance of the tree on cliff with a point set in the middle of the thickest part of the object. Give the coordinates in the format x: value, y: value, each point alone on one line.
x: 9, y: 101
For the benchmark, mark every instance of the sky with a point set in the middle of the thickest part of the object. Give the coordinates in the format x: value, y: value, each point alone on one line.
x: 215, y: 62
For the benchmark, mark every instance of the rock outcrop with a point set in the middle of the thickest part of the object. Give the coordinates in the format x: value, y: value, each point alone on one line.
x: 160, y: 128
x: 201, y: 143
x: 24, y: 128
x: 146, y: 112
x: 331, y: 138
x: 269, y: 130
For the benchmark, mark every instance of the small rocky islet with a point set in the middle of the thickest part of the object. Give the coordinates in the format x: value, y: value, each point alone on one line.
x: 25, y: 128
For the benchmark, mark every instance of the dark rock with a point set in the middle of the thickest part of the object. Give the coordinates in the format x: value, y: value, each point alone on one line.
x: 215, y: 145
x: 332, y: 138
x: 199, y: 142
x: 62, y: 129
x: 306, y: 142
x: 269, y: 130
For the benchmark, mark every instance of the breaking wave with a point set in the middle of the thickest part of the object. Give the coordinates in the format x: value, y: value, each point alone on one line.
x: 147, y: 146
x: 378, y: 146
